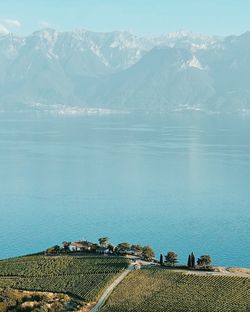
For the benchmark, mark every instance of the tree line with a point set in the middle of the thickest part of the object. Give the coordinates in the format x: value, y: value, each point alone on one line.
x: 145, y: 252
x: 171, y: 258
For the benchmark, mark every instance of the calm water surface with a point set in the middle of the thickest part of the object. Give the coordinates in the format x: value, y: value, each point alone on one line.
x: 175, y: 182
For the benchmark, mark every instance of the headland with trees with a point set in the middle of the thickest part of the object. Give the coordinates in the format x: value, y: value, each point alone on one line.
x: 146, y: 253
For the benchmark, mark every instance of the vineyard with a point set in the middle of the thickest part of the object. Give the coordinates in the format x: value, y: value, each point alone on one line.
x: 159, y: 290
x: 84, y: 277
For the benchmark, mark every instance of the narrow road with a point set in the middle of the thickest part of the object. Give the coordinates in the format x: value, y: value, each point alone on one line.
x: 211, y: 273
x: 108, y: 291
x: 217, y: 273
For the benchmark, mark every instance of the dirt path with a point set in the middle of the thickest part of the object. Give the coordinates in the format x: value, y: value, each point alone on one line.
x: 222, y: 272
x: 217, y: 273
x: 108, y: 291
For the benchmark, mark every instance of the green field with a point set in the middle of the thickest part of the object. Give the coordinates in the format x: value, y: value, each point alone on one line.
x: 155, y: 290
x: 84, y: 277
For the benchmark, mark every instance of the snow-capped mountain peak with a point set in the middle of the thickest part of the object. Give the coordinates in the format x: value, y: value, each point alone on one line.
x: 194, y: 62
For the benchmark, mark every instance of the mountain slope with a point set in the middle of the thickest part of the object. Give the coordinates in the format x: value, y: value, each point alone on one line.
x: 164, y: 79
x: 173, y: 72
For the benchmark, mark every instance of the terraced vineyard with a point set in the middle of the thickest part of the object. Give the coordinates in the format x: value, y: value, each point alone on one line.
x: 84, y: 277
x: 159, y: 290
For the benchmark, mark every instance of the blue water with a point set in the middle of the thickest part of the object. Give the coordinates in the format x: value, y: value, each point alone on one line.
x: 179, y: 182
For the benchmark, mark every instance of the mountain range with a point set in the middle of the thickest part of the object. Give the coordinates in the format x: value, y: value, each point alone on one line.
x: 81, y: 70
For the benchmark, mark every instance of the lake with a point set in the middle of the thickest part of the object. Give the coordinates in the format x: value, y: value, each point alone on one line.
x: 176, y: 182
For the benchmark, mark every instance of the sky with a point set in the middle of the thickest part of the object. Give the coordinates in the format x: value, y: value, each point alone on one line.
x: 142, y: 17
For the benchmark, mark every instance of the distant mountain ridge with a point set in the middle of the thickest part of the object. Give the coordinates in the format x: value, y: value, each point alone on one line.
x: 120, y: 71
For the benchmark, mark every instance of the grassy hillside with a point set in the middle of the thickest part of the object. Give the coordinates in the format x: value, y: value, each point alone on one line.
x: 158, y: 290
x: 84, y: 277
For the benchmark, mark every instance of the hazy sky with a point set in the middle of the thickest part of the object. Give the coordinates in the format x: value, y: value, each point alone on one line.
x: 220, y: 17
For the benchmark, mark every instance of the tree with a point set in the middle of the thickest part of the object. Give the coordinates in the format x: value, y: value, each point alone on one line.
x: 53, y: 250
x: 204, y: 261
x: 111, y: 248
x: 56, y: 306
x: 136, y: 248
x: 66, y: 246
x: 148, y: 252
x: 171, y: 257
x: 161, y: 259
x: 192, y: 258
x: 124, y: 245
x: 57, y: 248
x: 103, y: 241
x: 189, y: 263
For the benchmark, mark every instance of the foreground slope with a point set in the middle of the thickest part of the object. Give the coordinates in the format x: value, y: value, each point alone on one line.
x: 159, y: 289
x: 82, y: 277
x: 12, y: 300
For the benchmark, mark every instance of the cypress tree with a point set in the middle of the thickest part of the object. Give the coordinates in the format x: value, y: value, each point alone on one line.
x: 161, y: 259
x: 192, y: 260
x: 189, y: 264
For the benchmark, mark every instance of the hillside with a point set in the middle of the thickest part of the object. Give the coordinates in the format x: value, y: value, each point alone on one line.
x: 159, y: 290
x: 84, y: 278
x: 70, y: 283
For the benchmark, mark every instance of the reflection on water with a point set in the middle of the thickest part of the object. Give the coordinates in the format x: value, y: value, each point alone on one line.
x: 175, y: 182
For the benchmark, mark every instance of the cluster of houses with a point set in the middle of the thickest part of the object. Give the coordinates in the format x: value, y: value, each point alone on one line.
x: 83, y: 246
x: 105, y: 249
x: 125, y: 249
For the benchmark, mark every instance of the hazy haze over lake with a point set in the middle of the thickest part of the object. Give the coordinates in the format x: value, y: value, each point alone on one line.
x: 176, y: 182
